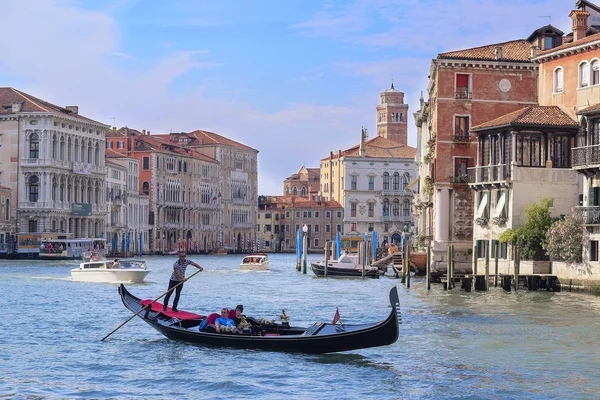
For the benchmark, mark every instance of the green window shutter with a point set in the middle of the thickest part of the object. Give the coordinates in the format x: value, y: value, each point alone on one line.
x: 593, y: 198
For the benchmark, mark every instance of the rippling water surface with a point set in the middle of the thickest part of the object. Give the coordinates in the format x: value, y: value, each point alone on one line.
x: 452, y: 344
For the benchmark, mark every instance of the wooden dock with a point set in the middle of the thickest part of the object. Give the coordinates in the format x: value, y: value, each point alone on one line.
x: 532, y: 282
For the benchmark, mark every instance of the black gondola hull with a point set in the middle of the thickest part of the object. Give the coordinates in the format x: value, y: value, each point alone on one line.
x: 329, y: 338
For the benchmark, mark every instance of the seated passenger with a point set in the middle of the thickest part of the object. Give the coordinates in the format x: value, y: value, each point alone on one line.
x: 224, y: 322
x: 115, y: 264
x: 237, y: 317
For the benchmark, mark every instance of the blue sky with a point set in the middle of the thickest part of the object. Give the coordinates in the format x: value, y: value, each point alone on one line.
x: 292, y: 79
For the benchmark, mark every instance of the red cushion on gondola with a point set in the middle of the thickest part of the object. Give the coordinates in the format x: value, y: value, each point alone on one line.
x: 212, y: 317
x: 231, y: 314
x: 179, y: 314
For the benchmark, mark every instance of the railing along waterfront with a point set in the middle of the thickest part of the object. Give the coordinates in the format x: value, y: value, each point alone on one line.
x: 586, y: 156
x: 588, y: 216
x: 489, y: 173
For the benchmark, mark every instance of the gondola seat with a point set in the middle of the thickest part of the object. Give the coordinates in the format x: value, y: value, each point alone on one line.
x: 208, y: 325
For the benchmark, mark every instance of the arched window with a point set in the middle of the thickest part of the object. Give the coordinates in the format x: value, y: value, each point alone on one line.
x: 386, y: 181
x: 54, y: 146
x: 396, y: 208
x: 558, y: 79
x: 82, y: 152
x: 90, y: 160
x: 97, y: 154
x: 396, y: 181
x: 62, y: 148
x: 146, y: 188
x: 405, y: 180
x: 34, y: 146
x: 386, y: 208
x: 584, y: 74
x: 303, y: 191
x: 54, y: 188
x: 406, y: 208
x: 295, y: 191
x: 76, y: 150
x: 7, y: 210
x: 62, y: 190
x: 595, y: 72
x: 34, y: 188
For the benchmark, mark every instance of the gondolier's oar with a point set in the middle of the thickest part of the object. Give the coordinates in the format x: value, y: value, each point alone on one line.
x: 149, y: 305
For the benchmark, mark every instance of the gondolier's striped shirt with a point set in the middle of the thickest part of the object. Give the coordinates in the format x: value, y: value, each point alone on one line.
x: 181, y: 268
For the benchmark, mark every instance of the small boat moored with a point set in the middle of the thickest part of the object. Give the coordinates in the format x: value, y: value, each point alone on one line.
x: 109, y: 271
x: 347, y: 266
x: 255, y: 262
x: 318, y: 338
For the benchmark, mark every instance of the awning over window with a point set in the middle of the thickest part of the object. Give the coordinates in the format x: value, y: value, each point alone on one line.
x: 482, y: 208
x: 500, y: 210
x: 412, y: 183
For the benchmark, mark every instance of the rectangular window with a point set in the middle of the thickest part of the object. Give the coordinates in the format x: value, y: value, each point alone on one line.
x: 328, y: 214
x: 386, y: 227
x: 276, y: 228
x: 327, y: 228
x: 297, y: 227
x: 316, y: 242
x: 287, y: 228
x: 353, y: 226
x: 297, y: 214
x: 462, y: 87
x: 371, y: 210
x: 287, y: 214
x: 386, y: 181
x: 593, y: 250
x: 371, y: 227
x: 109, y: 145
x: 353, y: 182
x: 316, y: 214
x: 547, y: 43
x: 120, y: 144
x: 461, y: 166
x: 310, y: 214
x: 305, y: 214
x: 371, y: 183
x: 481, y: 248
x: 461, y: 128
x: 338, y: 228
x: 353, y: 209
x: 145, y: 163
x: 287, y: 243
x: 339, y: 214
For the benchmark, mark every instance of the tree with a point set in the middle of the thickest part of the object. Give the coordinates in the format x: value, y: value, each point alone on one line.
x: 531, y: 237
x: 565, y: 240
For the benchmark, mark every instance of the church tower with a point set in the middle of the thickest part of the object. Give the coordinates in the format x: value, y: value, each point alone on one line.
x: 392, y: 116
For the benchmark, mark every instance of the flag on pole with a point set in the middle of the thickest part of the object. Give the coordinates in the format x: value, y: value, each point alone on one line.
x: 336, y: 317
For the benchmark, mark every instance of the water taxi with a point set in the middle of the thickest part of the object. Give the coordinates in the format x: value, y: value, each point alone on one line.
x: 109, y: 271
x: 255, y: 262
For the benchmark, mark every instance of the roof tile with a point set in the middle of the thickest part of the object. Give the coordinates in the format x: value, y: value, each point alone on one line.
x: 531, y: 116
x: 515, y: 50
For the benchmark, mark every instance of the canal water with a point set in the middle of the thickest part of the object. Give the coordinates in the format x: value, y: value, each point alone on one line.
x: 495, y: 345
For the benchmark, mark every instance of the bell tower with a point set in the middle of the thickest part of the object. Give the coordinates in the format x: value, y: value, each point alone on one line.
x: 392, y: 116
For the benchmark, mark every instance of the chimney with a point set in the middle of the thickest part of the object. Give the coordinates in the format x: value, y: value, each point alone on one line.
x: 362, y: 143
x: 16, y: 107
x: 143, y: 132
x: 498, y: 53
x: 580, y: 23
x: 148, y: 132
x: 73, y: 109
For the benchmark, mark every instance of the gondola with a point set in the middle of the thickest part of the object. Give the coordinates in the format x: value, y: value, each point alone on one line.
x: 319, y: 338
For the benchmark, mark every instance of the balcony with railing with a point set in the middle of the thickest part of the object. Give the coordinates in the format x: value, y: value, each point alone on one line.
x: 461, y: 138
x: 586, y: 158
x: 588, y: 216
x: 396, y: 218
x: 463, y: 94
x: 489, y: 174
x: 398, y: 192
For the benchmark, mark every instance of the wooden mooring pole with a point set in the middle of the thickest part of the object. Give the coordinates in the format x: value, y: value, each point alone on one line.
x: 327, y: 255
x: 487, y: 266
x: 407, y: 266
x: 428, y: 268
x: 496, y: 264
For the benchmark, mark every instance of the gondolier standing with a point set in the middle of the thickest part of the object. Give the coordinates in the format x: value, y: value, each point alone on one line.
x: 177, y: 277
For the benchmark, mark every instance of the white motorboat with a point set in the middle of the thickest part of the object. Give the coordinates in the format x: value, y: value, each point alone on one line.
x: 255, y: 262
x: 107, y: 271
